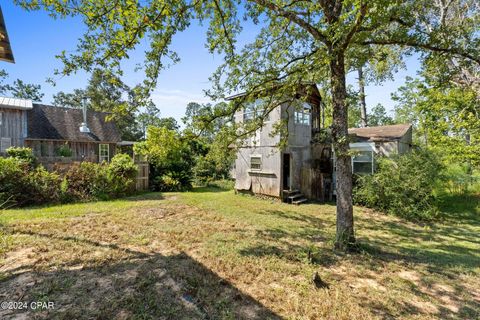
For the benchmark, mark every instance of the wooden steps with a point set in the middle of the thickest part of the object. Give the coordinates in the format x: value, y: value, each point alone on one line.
x: 294, y: 197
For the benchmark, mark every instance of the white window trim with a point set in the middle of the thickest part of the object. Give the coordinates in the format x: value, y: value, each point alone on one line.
x: 261, y: 162
x: 306, y: 117
x: 363, y: 146
x: 101, y: 158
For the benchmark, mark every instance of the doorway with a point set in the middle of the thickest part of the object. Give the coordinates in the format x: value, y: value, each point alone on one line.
x: 286, y: 171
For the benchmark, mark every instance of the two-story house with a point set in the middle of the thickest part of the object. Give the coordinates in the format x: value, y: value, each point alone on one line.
x: 304, y: 166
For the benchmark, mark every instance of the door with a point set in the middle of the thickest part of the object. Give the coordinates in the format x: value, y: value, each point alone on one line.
x: 286, y: 171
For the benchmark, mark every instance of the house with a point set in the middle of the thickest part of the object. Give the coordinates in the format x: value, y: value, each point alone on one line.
x: 263, y: 168
x: 304, y: 167
x: 54, y: 133
x: 368, y: 142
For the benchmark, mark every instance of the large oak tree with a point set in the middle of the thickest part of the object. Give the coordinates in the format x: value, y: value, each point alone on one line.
x: 297, y: 41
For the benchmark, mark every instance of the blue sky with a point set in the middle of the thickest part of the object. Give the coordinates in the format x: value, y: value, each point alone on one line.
x: 36, y: 38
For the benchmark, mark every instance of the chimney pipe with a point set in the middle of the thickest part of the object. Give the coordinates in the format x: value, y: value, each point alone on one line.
x: 83, y: 127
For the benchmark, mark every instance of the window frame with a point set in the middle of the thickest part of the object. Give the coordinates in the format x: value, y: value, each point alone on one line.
x: 303, y: 116
x: 252, y: 111
x: 101, y: 157
x: 260, y: 162
x: 371, y: 161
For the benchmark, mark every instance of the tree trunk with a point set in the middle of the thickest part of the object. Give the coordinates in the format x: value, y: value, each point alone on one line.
x: 363, y: 103
x: 345, y: 237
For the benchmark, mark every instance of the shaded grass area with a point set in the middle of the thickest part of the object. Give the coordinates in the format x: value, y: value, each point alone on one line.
x: 211, y: 254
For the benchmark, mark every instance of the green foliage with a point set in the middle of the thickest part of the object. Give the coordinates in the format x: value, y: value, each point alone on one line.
x: 379, y: 117
x: 403, y: 185
x: 169, y: 156
x: 90, y: 181
x: 122, y: 173
x: 445, y: 118
x: 22, y: 153
x: 460, y: 180
x: 21, y: 184
x: 64, y: 151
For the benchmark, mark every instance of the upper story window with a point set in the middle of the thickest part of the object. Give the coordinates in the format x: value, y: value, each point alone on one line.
x: 303, y: 113
x: 253, y: 110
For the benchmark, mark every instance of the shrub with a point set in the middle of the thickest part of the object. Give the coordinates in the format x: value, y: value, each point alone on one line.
x: 167, y: 183
x: 21, y: 185
x: 403, y: 186
x: 64, y: 151
x: 86, y: 182
x: 43, y: 186
x: 22, y: 153
x: 170, y: 157
x: 122, y: 173
x: 100, y: 181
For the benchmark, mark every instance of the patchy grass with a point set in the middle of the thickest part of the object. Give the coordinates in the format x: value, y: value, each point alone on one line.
x: 213, y: 254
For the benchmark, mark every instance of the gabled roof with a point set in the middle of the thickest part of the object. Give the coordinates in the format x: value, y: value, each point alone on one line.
x: 56, y: 123
x: 14, y: 103
x: 390, y: 132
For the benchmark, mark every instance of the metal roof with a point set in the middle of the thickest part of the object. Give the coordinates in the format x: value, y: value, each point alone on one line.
x: 15, y: 103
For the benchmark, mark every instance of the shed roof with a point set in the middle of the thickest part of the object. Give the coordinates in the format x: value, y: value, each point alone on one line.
x: 15, y: 103
x: 56, y: 123
x: 390, y: 132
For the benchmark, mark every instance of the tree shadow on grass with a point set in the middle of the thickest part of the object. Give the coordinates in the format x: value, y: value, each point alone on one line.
x: 298, y: 241
x: 139, y: 286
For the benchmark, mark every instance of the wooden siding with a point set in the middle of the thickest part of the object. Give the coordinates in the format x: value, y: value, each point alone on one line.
x: 47, y: 150
x: 13, y: 126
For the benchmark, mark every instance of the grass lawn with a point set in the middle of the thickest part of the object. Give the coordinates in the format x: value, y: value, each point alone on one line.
x: 211, y: 254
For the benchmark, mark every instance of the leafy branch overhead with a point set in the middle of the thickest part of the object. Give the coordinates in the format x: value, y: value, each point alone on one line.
x: 295, y: 40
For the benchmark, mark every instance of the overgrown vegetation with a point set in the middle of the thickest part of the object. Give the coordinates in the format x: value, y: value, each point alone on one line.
x: 23, y: 182
x: 403, y: 185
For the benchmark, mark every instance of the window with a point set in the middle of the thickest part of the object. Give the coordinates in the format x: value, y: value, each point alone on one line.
x: 302, y: 114
x: 5, y: 143
x: 1, y: 118
x: 104, y: 153
x: 256, y: 163
x: 362, y: 162
x: 252, y: 110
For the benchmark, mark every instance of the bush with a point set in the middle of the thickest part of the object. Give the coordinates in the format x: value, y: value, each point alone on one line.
x: 403, y: 185
x: 167, y: 183
x: 64, y: 151
x: 21, y: 185
x: 121, y: 173
x: 100, y: 181
x: 25, y: 154
x: 86, y: 181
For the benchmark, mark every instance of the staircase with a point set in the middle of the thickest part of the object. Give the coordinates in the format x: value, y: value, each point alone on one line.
x: 293, y: 197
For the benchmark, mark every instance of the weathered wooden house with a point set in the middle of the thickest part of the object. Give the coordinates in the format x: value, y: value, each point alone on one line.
x: 369, y: 142
x: 304, y: 168
x: 54, y: 133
